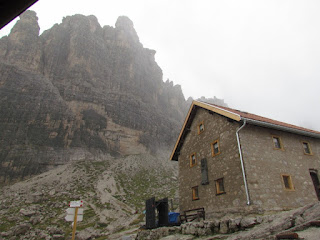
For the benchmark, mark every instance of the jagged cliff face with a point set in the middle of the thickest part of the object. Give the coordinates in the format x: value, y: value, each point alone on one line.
x: 80, y: 89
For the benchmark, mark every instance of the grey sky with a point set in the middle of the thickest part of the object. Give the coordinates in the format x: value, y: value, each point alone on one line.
x: 260, y: 56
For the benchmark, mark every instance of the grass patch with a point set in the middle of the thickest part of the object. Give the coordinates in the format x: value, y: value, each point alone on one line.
x: 102, y: 238
x: 102, y: 225
x: 138, y: 220
x: 146, y: 184
x: 81, y: 226
x: 6, y: 225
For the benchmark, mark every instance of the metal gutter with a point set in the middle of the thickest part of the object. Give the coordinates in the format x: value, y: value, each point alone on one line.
x: 242, y: 164
x: 281, y: 128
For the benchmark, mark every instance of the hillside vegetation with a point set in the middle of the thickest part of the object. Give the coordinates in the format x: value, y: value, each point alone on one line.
x: 114, y: 191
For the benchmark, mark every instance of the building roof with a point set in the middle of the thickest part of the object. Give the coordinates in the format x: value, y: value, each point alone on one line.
x: 238, y: 116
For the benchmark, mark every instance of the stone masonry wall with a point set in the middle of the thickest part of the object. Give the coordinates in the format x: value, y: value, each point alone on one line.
x: 226, y: 165
x: 264, y: 166
x: 237, y: 228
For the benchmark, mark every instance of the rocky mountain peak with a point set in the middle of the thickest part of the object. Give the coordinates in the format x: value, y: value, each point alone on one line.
x: 27, y: 25
x: 79, y: 22
x: 23, y: 46
x: 123, y: 22
x: 79, y: 88
x: 125, y: 26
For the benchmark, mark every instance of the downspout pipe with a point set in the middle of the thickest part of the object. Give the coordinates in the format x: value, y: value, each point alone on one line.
x: 242, y: 164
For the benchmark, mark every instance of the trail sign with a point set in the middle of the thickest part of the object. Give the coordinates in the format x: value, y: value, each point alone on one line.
x: 71, y: 211
x: 74, y: 214
x: 70, y: 218
x: 75, y: 204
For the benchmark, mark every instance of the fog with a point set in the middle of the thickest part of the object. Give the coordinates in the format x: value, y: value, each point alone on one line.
x: 261, y: 57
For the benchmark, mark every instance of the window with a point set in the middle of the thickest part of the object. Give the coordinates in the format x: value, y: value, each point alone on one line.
x: 195, y: 193
x: 277, y: 143
x: 215, y: 148
x: 200, y: 128
x: 306, y: 148
x: 193, y: 159
x: 287, y: 182
x: 220, y: 186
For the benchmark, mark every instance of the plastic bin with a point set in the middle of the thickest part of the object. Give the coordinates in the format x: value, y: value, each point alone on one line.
x: 173, y: 217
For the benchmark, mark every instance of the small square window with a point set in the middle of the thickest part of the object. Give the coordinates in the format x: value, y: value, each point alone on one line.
x: 215, y: 148
x: 200, y: 128
x: 220, y: 186
x: 195, y: 193
x: 277, y: 144
x: 287, y: 182
x: 306, y: 148
x: 193, y: 159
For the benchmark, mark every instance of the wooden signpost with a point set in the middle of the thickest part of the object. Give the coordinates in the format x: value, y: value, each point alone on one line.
x: 75, y: 214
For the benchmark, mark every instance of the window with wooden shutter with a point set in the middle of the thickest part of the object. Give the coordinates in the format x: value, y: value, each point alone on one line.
x: 195, y: 193
x: 277, y: 142
x: 220, y: 186
x: 193, y: 160
x: 287, y: 182
x: 204, y: 172
x: 200, y: 128
x: 306, y: 148
x: 215, y: 148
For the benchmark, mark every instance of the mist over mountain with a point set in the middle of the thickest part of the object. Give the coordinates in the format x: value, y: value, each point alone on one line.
x: 79, y: 90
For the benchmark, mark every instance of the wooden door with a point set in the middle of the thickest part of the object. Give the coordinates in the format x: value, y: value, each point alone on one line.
x: 316, y: 183
x: 151, y: 213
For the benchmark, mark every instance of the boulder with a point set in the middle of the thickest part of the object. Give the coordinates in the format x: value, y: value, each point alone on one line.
x: 88, y: 233
x: 224, y: 227
x: 248, y: 222
x: 22, y: 229
x: 234, y: 224
x: 58, y: 237
x: 34, y: 220
x: 54, y: 230
x: 27, y: 212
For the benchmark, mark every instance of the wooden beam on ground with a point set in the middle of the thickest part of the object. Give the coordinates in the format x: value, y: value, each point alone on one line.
x: 315, y: 223
x: 287, y: 235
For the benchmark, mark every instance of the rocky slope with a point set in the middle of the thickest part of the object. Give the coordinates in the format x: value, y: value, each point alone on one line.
x: 113, y: 191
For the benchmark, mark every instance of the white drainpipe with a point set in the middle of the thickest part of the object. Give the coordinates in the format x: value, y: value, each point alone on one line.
x: 242, y: 165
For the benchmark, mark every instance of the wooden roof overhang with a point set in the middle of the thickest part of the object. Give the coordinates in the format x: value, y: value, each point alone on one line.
x: 189, y: 118
x: 10, y: 9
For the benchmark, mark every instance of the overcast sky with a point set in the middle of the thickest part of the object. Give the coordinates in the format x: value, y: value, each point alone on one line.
x: 261, y: 57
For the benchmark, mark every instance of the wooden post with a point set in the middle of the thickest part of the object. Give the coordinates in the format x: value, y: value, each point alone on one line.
x: 74, y: 223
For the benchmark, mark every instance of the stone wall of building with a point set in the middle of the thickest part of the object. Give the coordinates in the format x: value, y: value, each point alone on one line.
x: 225, y: 165
x: 265, y: 166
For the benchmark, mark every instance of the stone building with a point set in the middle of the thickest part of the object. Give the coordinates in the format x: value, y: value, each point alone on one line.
x: 237, y: 162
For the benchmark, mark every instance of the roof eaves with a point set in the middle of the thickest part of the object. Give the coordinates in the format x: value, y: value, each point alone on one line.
x: 181, y: 133
x: 209, y: 107
x: 281, y: 128
x: 219, y: 110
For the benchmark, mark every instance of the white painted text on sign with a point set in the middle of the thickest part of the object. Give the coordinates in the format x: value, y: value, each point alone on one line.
x: 74, y: 204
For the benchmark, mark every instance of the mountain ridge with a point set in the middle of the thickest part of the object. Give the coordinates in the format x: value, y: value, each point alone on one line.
x: 80, y: 87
